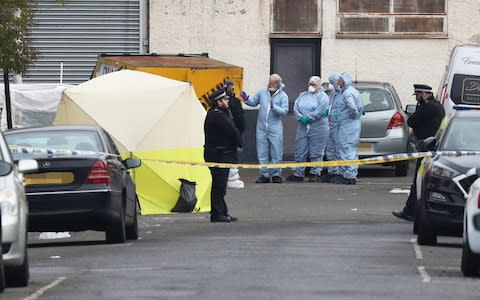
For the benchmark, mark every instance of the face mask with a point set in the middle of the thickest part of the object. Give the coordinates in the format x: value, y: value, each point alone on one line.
x: 338, y: 88
x: 272, y: 89
x: 311, y: 89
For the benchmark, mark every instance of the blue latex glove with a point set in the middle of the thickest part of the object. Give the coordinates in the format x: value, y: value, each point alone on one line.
x: 304, y: 120
x: 244, y: 96
x: 335, y: 115
x: 325, y: 112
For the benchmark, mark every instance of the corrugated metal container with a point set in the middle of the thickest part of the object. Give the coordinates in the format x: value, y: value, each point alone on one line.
x: 205, y: 74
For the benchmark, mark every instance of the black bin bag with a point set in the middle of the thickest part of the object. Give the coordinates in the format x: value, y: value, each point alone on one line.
x: 187, y: 200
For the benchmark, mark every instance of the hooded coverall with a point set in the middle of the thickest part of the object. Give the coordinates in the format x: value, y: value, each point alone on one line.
x: 270, y: 127
x: 348, y: 115
x: 333, y: 151
x: 311, y: 139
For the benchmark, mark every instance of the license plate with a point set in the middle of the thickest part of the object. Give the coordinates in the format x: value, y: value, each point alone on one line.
x: 49, y: 178
x: 365, y: 147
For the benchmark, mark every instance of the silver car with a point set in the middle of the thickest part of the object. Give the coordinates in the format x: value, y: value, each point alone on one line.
x: 14, y: 210
x: 384, y: 126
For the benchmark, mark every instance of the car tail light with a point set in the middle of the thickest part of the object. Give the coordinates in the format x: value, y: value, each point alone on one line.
x: 98, y: 173
x: 396, y: 121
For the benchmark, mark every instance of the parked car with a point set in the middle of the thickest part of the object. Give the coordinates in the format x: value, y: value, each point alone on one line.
x: 74, y: 191
x: 14, y: 216
x: 469, y: 184
x: 384, y: 129
x: 440, y: 203
x: 2, y: 271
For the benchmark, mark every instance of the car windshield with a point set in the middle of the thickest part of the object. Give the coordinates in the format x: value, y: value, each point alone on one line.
x: 462, y: 135
x: 374, y: 99
x: 85, y: 140
x: 465, y: 89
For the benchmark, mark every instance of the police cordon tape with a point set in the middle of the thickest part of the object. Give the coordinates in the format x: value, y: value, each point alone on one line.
x: 366, y: 161
x: 52, y: 152
x: 338, y: 163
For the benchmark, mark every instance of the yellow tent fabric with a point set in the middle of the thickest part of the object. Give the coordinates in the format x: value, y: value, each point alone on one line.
x: 152, y: 118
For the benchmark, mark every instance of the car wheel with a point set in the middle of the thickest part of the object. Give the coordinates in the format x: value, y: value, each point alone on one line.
x: 426, y: 235
x: 401, y: 168
x: 132, y: 230
x: 470, y: 261
x: 20, y: 275
x: 115, y: 232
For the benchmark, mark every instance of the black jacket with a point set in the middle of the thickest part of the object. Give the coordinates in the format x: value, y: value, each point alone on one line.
x: 221, y: 137
x: 237, y: 113
x: 427, y: 118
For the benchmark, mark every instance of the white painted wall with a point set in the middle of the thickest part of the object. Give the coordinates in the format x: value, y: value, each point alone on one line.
x: 401, y: 62
x: 233, y: 31
x: 237, y: 32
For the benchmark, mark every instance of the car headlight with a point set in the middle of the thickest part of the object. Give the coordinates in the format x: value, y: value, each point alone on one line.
x: 9, y: 202
x: 439, y: 169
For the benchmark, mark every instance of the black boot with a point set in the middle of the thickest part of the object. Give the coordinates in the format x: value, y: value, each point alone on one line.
x: 263, y: 179
x: 326, y: 178
x: 277, y: 179
x: 293, y: 178
x: 403, y: 214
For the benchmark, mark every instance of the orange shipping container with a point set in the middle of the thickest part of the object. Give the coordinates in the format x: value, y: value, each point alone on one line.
x: 205, y: 74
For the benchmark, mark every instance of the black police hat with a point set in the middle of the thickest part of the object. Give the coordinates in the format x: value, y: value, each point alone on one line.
x: 418, y: 88
x: 217, y: 95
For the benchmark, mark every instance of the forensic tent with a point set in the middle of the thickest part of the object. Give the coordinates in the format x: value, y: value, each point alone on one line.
x: 32, y: 104
x: 151, y: 118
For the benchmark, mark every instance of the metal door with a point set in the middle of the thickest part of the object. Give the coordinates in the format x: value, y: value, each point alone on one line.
x: 295, y: 60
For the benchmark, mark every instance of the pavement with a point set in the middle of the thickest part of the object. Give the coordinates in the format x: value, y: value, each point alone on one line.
x: 292, y: 241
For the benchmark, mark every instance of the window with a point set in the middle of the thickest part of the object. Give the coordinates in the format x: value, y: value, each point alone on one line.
x: 392, y: 17
x: 465, y: 89
x: 462, y: 135
x: 299, y: 16
x: 375, y: 99
x: 55, y: 140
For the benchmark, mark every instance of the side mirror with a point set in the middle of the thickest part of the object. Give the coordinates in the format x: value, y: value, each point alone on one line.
x: 132, y: 163
x: 5, y: 168
x: 428, y: 144
x: 410, y: 109
x: 27, y: 165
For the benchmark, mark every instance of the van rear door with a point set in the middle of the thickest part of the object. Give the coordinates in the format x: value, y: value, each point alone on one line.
x: 465, y: 89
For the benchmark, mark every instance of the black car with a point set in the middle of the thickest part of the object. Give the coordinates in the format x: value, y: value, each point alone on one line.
x: 82, y: 183
x: 440, y: 203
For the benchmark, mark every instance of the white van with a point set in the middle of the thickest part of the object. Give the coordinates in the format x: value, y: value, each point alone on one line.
x: 461, y: 81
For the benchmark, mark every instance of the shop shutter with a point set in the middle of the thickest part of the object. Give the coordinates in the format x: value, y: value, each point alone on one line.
x: 75, y: 32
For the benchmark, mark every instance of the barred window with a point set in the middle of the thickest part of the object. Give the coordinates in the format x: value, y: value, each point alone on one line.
x: 392, y: 17
x: 299, y: 16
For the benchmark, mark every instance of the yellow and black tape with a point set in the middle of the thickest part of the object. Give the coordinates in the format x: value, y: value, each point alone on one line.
x: 366, y: 161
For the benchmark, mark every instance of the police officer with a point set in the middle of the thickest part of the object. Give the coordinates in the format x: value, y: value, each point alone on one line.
x: 235, y: 106
x: 424, y: 122
x: 222, y: 140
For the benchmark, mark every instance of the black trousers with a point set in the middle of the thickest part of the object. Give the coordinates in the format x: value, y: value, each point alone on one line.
x: 219, y: 190
x: 412, y: 198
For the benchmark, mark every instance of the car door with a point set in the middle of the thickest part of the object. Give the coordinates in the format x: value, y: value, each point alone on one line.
x: 126, y: 179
